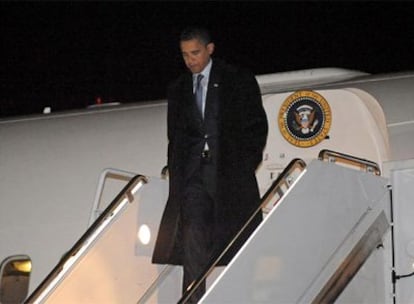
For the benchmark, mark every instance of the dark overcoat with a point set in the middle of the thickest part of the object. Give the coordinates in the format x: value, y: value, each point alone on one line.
x: 241, y: 137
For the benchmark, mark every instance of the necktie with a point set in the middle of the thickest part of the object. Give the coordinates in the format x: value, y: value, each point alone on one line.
x: 199, y: 93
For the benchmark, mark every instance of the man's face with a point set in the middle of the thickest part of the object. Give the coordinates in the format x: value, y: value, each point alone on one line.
x: 196, y: 55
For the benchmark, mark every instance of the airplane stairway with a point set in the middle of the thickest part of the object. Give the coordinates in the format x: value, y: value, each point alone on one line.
x: 111, y: 263
x: 323, y: 222
x: 330, y: 224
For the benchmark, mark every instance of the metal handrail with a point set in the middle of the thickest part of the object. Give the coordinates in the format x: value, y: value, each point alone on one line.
x: 87, y: 239
x: 333, y: 156
x: 284, y: 179
x: 116, y: 174
x: 273, y: 189
x: 105, y: 174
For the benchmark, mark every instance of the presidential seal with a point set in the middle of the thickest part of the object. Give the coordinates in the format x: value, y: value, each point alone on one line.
x: 304, y: 118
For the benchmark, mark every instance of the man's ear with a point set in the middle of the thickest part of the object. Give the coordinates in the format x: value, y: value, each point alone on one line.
x: 210, y: 48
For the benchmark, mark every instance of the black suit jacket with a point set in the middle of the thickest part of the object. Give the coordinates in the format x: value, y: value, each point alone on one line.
x: 234, y: 98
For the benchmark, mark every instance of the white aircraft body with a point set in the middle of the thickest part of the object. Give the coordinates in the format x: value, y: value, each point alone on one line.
x: 80, y: 191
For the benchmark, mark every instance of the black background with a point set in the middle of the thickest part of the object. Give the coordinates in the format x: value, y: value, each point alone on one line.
x: 66, y: 54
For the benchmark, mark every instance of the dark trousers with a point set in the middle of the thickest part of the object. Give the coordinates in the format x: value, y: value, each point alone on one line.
x: 197, y: 230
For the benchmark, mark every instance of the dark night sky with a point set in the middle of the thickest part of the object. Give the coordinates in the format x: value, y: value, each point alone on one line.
x: 65, y: 54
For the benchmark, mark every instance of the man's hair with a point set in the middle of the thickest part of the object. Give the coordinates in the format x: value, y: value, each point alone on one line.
x: 201, y: 34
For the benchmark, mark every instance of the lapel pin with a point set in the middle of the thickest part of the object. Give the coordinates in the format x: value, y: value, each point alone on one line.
x: 216, y: 85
